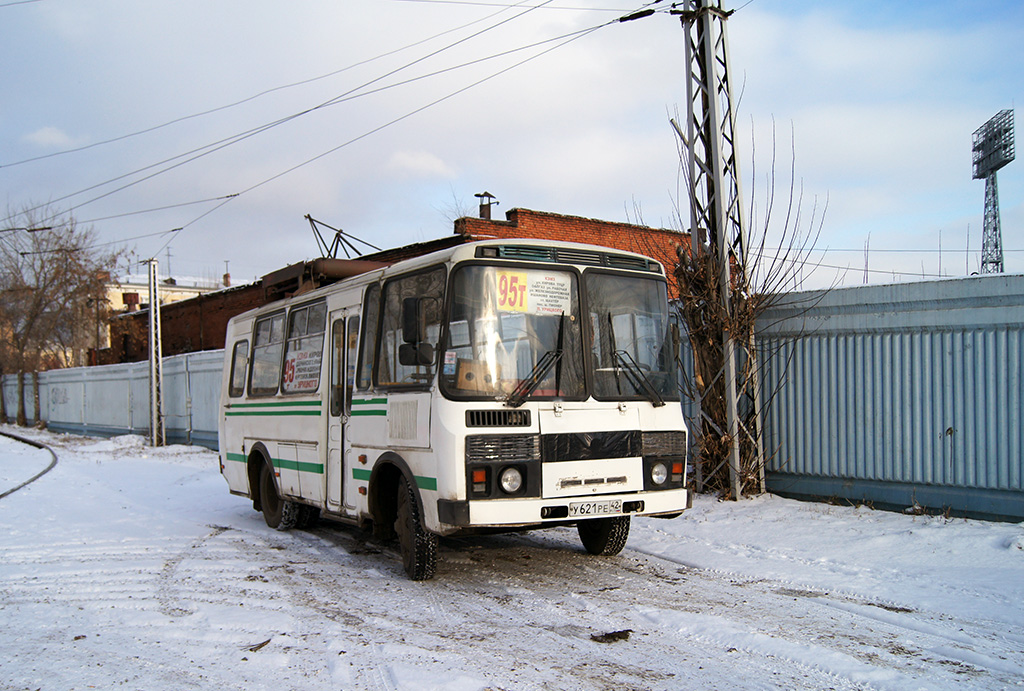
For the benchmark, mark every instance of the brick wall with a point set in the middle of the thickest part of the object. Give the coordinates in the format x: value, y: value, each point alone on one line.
x: 187, y: 326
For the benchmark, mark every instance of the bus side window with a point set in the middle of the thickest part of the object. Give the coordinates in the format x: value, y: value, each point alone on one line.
x: 343, y: 363
x: 337, y: 366
x: 427, y: 290
x: 238, y: 358
x: 304, y: 351
x: 352, y: 353
x: 371, y: 310
x: 267, y: 347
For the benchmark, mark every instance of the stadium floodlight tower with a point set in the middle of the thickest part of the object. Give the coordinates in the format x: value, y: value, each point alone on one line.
x: 993, y: 149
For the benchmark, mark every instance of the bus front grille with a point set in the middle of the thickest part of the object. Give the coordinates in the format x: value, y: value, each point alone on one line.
x: 497, y: 418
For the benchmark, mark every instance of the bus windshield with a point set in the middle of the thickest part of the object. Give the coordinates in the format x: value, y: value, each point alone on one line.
x: 631, y: 347
x: 513, y: 333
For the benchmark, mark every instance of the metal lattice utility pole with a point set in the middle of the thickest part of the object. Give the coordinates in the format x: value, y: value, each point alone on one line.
x: 716, y: 208
x: 992, y: 237
x: 156, y: 361
x: 993, y: 148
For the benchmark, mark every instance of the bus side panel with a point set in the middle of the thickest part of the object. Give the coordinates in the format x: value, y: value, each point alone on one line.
x: 366, y: 433
x: 230, y: 442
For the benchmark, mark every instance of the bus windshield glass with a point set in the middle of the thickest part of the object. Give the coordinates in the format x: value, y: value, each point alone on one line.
x: 513, y: 332
x: 631, y: 347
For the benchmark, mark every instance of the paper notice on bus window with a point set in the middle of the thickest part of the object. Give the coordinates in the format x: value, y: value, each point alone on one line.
x: 302, y: 371
x: 534, y: 292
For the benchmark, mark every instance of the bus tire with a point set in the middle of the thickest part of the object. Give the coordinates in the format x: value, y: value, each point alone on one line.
x: 277, y: 512
x: 604, y: 536
x: 418, y: 545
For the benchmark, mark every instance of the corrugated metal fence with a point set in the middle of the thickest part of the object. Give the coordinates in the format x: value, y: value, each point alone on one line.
x: 899, y: 394
x: 114, y: 399
x: 895, y: 395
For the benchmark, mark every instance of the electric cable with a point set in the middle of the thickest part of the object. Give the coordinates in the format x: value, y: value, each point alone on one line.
x: 157, y: 208
x: 476, y: 3
x: 228, y: 141
x: 571, y: 37
x: 265, y: 92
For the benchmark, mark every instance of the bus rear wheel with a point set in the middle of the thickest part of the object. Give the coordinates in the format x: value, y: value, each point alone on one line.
x: 277, y: 512
x: 604, y: 536
x: 418, y: 545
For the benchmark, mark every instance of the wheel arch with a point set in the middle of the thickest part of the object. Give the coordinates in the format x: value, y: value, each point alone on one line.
x: 258, y: 455
x: 383, y: 491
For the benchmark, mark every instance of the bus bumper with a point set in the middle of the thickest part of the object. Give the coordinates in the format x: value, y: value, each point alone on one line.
x: 497, y: 513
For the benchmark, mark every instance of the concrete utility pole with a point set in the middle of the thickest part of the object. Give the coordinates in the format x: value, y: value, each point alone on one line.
x: 156, y: 361
x: 716, y: 202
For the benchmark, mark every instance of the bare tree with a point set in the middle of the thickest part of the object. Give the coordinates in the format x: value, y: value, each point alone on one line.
x: 455, y: 208
x: 780, y: 244
x: 50, y: 272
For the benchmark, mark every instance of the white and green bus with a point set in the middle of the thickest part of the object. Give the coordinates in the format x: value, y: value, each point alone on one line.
x: 508, y: 384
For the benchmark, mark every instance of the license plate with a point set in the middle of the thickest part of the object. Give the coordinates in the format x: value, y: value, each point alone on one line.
x: 595, y: 508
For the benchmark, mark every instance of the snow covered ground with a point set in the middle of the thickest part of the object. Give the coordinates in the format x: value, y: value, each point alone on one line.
x: 129, y: 567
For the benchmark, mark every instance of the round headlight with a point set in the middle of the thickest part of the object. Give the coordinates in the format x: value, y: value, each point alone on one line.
x: 659, y: 473
x: 511, y: 480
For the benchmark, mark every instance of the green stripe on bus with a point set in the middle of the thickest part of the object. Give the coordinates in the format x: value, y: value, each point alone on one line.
x: 266, y: 414
x: 367, y: 412
x: 299, y: 465
x: 274, y: 404
x: 238, y: 457
x: 428, y: 483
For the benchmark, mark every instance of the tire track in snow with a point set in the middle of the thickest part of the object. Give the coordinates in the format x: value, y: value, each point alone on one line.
x: 869, y: 631
x: 945, y: 626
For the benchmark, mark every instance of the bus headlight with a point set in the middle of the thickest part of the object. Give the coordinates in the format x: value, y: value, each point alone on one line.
x: 664, y: 473
x: 659, y: 473
x: 511, y: 480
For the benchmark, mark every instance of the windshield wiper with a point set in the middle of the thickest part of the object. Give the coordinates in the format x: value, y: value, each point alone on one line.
x: 527, y: 386
x: 637, y: 377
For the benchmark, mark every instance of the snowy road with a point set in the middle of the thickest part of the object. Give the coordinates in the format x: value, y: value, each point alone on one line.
x: 134, y: 568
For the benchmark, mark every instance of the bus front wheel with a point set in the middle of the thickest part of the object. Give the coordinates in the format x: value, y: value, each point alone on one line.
x: 277, y: 512
x: 604, y: 536
x: 418, y: 545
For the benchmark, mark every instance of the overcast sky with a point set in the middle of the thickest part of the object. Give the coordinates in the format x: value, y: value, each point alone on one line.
x: 872, y: 104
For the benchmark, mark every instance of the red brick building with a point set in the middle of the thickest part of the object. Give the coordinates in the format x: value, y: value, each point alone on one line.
x: 201, y: 323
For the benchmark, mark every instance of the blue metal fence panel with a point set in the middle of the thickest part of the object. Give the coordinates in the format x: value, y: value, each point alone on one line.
x: 899, y: 394
x: 114, y: 399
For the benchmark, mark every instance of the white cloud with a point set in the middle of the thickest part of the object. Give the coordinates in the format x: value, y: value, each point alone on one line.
x: 50, y: 138
x: 419, y: 164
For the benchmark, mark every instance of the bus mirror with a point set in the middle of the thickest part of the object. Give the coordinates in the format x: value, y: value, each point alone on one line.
x: 412, y: 320
x: 413, y: 355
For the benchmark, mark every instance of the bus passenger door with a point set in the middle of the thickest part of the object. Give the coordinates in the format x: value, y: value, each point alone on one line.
x: 344, y: 337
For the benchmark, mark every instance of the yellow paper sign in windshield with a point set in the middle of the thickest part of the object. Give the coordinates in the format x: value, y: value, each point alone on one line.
x: 512, y: 291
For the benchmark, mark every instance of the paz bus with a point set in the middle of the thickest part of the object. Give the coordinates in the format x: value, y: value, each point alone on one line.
x: 496, y: 385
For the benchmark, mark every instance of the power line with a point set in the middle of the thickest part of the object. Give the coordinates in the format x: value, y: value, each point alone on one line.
x: 157, y: 208
x: 571, y: 37
x: 265, y: 92
x: 228, y: 141
x: 136, y: 237
x: 923, y: 250
x: 499, y: 4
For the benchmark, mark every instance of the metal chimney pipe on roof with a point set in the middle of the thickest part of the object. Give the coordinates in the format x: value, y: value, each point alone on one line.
x: 485, y: 204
